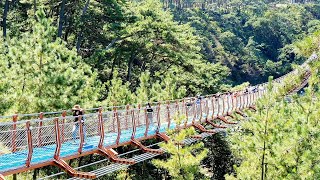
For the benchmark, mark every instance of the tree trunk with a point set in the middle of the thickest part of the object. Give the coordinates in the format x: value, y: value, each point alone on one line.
x: 112, y: 67
x: 34, y: 176
x: 34, y: 7
x: 80, y: 160
x: 79, y: 36
x: 5, y: 13
x: 91, y: 158
x: 263, y: 175
x: 130, y: 63
x: 40, y: 68
x: 61, y: 17
x: 66, y: 34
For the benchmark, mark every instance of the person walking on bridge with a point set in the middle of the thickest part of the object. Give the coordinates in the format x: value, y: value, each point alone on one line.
x: 198, y: 102
x: 150, y: 114
x: 77, y: 111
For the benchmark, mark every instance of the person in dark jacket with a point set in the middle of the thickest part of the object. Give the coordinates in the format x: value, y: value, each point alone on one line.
x: 77, y: 111
x: 150, y: 114
x: 198, y: 106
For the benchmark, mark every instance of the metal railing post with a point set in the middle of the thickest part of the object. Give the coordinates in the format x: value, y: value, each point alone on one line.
x: 187, y: 114
x: 158, y: 118
x: 101, y: 129
x: 58, y: 142
x: 194, y: 105
x: 207, y: 108
x: 223, y: 104
x: 81, y: 135
x: 30, y: 146
x: 133, y: 125
x: 40, y: 130
x: 218, y: 104
x: 118, y: 124
x: 213, y: 102
x: 127, y: 114
x: 64, y: 114
x: 147, y: 122
x: 14, y: 133
x: 168, y: 115
x: 139, y: 109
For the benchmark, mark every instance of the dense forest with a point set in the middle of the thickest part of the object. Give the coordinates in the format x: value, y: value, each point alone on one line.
x: 58, y: 53
x: 98, y: 53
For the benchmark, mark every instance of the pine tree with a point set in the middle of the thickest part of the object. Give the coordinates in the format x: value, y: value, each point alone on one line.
x: 41, y: 74
x: 119, y: 93
x: 280, y: 140
x: 184, y: 161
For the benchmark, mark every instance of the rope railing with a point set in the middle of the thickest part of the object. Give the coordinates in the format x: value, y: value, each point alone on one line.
x: 28, y: 143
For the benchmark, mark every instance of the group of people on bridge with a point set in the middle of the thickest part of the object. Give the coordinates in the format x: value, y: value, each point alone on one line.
x: 78, y: 112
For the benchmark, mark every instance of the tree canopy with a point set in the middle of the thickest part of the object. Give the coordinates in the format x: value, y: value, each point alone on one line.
x: 58, y: 53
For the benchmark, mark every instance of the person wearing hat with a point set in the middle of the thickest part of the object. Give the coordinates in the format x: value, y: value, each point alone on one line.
x: 77, y: 111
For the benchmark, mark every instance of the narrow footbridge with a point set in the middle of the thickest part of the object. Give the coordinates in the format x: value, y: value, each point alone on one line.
x: 48, y: 138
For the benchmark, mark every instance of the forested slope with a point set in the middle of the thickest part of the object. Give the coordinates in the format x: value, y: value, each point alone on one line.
x: 124, y: 51
x: 56, y: 53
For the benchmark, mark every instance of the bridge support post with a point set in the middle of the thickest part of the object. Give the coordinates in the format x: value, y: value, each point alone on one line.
x: 39, y: 143
x: 109, y: 153
x: 215, y: 125
x: 61, y: 163
x: 147, y: 122
x: 168, y: 116
x: 146, y: 149
x: 14, y: 133
x: 230, y: 115
x: 213, y: 102
x: 163, y: 136
x: 225, y: 120
x: 101, y: 129
x: 240, y: 113
x: 113, y: 156
x: 72, y: 172
x: 202, y: 128
x: 253, y: 108
x: 158, y: 119
x: 187, y: 114
x: 116, y: 115
x: 30, y: 146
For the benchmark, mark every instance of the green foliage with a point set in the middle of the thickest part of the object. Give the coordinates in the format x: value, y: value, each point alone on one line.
x: 159, y: 91
x: 154, y: 43
x: 123, y: 175
x: 139, y: 51
x: 219, y: 160
x: 240, y: 87
x: 119, y: 93
x: 309, y: 44
x: 184, y: 161
x: 280, y: 140
x: 251, y: 38
x: 313, y: 26
x: 42, y: 74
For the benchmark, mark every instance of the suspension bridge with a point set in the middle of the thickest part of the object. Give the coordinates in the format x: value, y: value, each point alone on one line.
x: 47, y: 138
